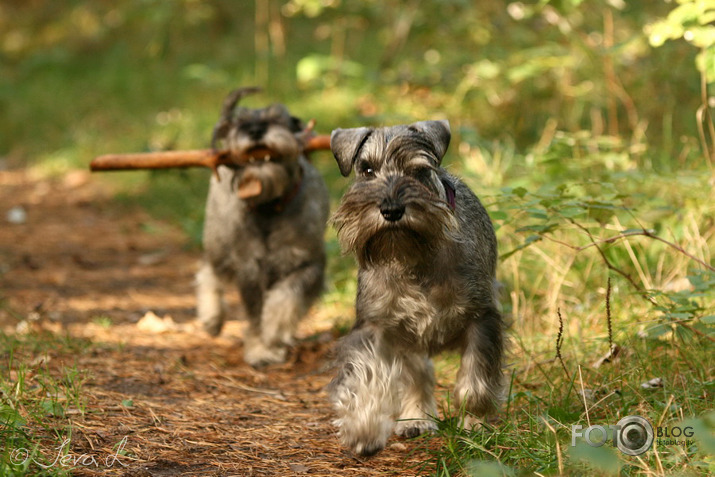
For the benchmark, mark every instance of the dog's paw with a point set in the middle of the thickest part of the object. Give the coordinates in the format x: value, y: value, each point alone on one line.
x: 473, y: 423
x: 414, y: 427
x: 212, y: 327
x: 365, y: 444
x: 259, y: 355
x: 368, y: 449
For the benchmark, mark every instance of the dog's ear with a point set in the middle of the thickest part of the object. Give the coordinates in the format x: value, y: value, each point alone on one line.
x: 234, y: 97
x: 346, y: 145
x: 438, y: 133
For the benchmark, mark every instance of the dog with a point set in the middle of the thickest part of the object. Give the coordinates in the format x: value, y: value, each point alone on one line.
x: 263, y: 230
x: 426, y: 252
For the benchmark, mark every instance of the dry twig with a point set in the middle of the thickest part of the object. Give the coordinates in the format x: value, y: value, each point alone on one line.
x: 559, y: 342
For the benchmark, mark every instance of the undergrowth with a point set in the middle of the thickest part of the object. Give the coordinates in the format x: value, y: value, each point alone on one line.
x: 38, y: 398
x: 609, y: 289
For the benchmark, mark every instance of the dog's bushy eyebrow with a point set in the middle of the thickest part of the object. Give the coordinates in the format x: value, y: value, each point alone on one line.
x: 360, y: 146
x: 419, y: 161
x: 405, y: 147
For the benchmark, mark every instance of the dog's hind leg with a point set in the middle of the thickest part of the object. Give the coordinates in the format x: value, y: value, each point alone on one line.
x: 365, y: 393
x: 479, y: 381
x: 211, y: 309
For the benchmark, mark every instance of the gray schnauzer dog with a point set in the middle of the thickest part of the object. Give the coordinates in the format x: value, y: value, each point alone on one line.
x: 427, y: 253
x: 264, y: 229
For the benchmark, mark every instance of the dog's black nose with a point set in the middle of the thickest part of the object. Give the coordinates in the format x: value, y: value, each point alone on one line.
x: 255, y: 129
x: 392, y: 210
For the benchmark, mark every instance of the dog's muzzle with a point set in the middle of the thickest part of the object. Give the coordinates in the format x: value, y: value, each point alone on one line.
x: 392, y: 210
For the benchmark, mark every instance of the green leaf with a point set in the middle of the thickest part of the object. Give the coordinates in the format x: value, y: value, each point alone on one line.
x: 600, y: 214
x: 529, y: 240
x: 703, y: 429
x: 702, y: 281
x: 572, y: 211
x: 657, y: 331
x: 520, y: 191
x: 631, y: 231
x: 537, y: 213
x: 678, y: 316
x: 538, y: 228
x: 702, y: 37
x: 53, y: 408
x: 601, y: 458
x: 707, y: 320
x: 9, y: 417
x: 315, y: 67
x: 489, y: 469
x: 706, y: 330
x: 705, y: 62
x: 498, y: 215
x: 563, y: 414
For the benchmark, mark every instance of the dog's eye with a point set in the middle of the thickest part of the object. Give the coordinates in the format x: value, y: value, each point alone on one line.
x: 423, y: 174
x: 296, y: 125
x: 366, y: 169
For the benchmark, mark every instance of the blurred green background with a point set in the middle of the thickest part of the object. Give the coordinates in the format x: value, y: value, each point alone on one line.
x: 564, y: 112
x: 86, y: 77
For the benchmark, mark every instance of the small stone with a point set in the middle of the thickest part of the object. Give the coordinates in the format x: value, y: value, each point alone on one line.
x: 16, y: 215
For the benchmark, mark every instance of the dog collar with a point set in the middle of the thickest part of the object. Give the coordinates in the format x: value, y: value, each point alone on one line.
x: 451, y: 194
x: 288, y: 198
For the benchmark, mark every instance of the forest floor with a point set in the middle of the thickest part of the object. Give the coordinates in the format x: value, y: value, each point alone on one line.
x: 158, y: 397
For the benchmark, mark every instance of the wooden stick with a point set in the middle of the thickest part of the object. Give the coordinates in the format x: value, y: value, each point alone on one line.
x: 193, y: 158
x: 155, y: 160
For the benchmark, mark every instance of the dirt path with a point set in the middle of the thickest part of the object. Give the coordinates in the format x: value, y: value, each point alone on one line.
x: 183, y: 403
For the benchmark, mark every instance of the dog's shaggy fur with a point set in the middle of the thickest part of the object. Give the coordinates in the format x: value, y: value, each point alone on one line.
x: 427, y: 255
x: 268, y: 241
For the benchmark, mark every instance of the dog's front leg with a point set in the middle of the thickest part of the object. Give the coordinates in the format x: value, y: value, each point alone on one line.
x: 419, y: 407
x: 479, y: 381
x: 366, y: 392
x: 255, y: 352
x: 285, y: 304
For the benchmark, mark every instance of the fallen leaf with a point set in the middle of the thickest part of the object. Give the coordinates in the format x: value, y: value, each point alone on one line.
x: 151, y: 323
x: 610, y: 356
x: 654, y: 383
x: 299, y: 468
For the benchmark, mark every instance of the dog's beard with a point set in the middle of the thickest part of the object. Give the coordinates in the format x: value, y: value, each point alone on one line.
x: 266, y: 179
x: 271, y: 179
x: 398, y: 244
x: 362, y: 230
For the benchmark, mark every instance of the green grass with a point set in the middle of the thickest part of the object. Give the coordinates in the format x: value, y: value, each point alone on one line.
x: 534, y: 434
x: 36, y: 399
x: 583, y: 264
